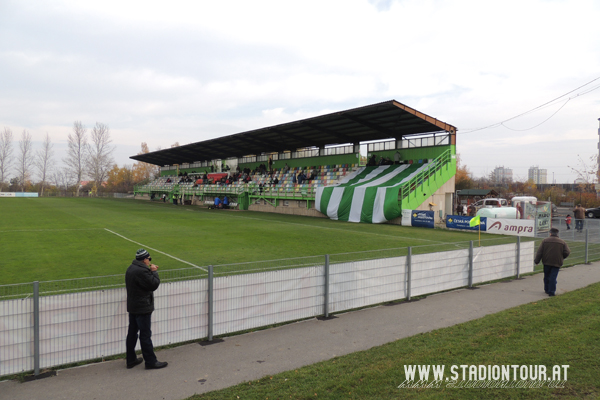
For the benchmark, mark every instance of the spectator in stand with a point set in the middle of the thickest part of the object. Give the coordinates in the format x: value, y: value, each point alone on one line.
x: 313, y: 174
x: 458, y: 209
x: 286, y: 168
x: 472, y: 211
x: 579, y: 214
x: 168, y: 180
x: 270, y: 164
x: 293, y: 177
x: 300, y: 178
x: 225, y: 202
x: 465, y: 211
x: 397, y: 158
x: 275, y: 181
x: 372, y: 161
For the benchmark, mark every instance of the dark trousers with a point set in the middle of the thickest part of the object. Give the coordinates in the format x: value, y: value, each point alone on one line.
x: 140, y: 323
x: 550, y: 275
x: 579, y: 225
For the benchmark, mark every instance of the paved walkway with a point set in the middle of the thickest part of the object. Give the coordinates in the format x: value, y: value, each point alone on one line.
x: 197, y: 369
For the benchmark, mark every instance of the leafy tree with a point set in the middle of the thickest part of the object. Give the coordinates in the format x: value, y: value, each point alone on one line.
x: 144, y: 172
x: 120, y: 179
x: 463, y: 176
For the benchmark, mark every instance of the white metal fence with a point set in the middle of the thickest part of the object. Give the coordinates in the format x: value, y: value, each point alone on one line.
x: 48, y: 324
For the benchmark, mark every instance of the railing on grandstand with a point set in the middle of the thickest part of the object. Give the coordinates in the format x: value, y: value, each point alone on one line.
x: 432, y: 168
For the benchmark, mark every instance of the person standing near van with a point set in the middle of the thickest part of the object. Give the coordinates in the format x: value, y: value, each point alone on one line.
x: 579, y: 214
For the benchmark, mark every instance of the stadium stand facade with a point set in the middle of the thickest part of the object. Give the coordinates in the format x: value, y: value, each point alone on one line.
x: 313, y: 167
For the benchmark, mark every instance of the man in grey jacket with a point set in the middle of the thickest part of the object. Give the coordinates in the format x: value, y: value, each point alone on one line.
x: 552, y: 252
x: 141, y: 280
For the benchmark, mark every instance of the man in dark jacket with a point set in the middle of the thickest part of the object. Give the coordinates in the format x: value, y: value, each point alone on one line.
x: 579, y: 214
x: 141, y: 280
x: 552, y: 252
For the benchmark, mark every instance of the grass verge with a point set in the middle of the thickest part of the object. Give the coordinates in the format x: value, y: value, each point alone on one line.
x: 556, y: 331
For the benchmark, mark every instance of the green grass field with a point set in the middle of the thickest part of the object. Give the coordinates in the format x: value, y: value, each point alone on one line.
x: 46, y: 239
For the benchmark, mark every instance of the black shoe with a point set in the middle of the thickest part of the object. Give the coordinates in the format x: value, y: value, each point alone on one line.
x: 551, y: 294
x: 157, y: 365
x: 138, y: 361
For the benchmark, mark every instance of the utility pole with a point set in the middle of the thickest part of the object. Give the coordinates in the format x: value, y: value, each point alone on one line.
x: 598, y: 173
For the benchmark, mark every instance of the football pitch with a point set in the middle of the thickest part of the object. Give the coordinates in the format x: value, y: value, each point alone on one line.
x: 46, y: 239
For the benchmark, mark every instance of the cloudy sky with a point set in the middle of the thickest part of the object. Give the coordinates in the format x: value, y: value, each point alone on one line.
x: 184, y: 71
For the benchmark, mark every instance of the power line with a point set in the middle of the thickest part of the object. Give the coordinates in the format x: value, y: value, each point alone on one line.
x: 547, y: 104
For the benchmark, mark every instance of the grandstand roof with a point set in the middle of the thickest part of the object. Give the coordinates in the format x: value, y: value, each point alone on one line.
x: 386, y: 120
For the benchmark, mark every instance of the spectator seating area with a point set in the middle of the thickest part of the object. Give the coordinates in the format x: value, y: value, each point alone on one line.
x: 260, y: 184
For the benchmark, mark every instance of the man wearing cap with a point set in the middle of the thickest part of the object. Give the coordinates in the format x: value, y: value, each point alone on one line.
x: 141, y: 280
x: 552, y: 252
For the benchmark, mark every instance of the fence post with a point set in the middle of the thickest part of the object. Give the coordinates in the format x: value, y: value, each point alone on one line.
x: 587, y: 243
x: 408, y: 273
x: 210, y: 303
x: 36, y: 328
x: 326, y: 291
x: 518, y: 257
x: 470, y: 264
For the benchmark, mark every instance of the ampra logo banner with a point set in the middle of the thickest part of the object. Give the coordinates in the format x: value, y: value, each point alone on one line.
x: 515, y: 227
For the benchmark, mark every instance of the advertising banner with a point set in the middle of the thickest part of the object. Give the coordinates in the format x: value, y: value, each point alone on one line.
x: 544, y: 216
x: 418, y: 218
x: 514, y: 227
x: 462, y: 222
x: 18, y: 194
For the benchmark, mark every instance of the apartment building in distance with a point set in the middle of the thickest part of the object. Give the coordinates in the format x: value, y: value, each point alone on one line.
x: 502, y: 175
x: 538, y: 175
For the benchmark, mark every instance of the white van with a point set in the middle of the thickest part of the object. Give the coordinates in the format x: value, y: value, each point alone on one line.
x: 525, y: 206
x: 490, y: 202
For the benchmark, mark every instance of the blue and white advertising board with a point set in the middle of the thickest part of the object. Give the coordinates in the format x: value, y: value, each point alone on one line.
x: 418, y: 218
x: 18, y: 194
x: 462, y: 222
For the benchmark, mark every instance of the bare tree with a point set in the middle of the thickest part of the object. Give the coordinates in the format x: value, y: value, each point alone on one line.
x: 63, y: 179
x: 77, y: 152
x: 5, y: 154
x: 43, y: 161
x: 100, y: 159
x: 587, y: 173
x: 25, y: 159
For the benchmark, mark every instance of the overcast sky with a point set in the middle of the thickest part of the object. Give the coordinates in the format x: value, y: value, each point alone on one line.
x: 184, y: 71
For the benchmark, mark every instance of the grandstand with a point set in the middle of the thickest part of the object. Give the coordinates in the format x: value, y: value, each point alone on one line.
x: 413, y: 163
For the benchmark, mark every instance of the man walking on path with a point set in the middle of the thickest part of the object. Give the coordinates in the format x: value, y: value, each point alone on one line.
x: 579, y: 214
x: 141, y: 280
x: 552, y: 252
